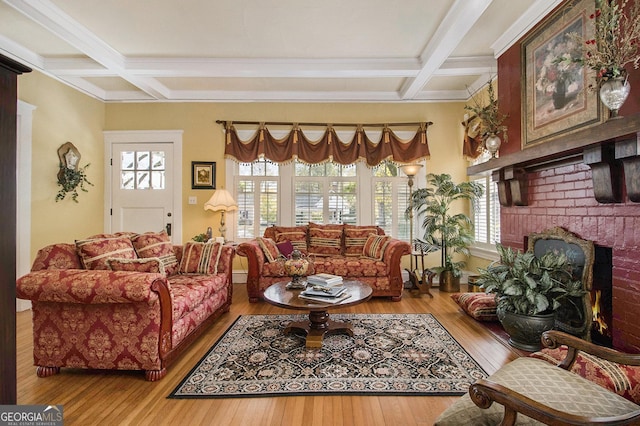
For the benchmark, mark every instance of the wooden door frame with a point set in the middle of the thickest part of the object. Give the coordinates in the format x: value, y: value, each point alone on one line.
x: 112, y: 137
x: 9, y: 71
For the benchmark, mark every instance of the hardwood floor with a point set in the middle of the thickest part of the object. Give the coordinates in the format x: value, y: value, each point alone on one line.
x: 125, y: 398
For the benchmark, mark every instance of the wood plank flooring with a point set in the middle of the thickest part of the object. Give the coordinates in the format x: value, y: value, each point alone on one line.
x: 125, y: 398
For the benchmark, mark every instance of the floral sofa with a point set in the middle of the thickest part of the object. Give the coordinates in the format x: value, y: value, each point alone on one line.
x: 124, y: 301
x: 362, y: 253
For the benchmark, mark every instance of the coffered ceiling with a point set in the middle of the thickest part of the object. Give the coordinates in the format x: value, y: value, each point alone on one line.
x: 267, y: 50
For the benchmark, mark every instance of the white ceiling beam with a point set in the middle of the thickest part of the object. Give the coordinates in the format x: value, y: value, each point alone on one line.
x: 459, y: 20
x: 270, y: 68
x: 296, y: 96
x: 262, y: 67
x: 52, y: 18
x: 86, y: 87
x: 467, y: 66
x: 77, y: 67
x: 20, y: 53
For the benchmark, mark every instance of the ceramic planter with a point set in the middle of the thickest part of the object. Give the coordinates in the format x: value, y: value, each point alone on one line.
x: 525, y: 330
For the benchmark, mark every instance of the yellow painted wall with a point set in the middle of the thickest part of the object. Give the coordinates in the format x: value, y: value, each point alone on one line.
x: 203, y: 139
x: 62, y: 115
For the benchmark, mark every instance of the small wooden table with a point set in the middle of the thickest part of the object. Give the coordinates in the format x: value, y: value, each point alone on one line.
x: 319, y: 323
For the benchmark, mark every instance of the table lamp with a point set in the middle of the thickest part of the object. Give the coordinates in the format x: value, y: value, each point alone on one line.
x: 221, y: 201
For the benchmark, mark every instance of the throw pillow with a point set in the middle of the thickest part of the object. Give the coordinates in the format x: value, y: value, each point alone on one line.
x: 57, y: 256
x: 285, y: 248
x: 269, y: 248
x: 150, y: 264
x: 325, y: 240
x: 355, y: 238
x: 200, y: 258
x: 375, y: 246
x: 479, y: 306
x: 95, y: 252
x: 296, y: 234
x: 156, y: 244
x: 619, y: 378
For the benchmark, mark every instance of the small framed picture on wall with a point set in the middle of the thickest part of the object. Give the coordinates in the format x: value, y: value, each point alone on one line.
x: 203, y: 175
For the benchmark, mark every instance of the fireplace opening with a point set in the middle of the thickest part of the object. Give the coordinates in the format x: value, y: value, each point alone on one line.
x: 602, y: 297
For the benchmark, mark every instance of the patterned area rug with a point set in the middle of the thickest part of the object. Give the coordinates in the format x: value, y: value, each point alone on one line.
x: 389, y: 354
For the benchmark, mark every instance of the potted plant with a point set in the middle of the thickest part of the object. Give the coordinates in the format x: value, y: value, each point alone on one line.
x: 453, y: 233
x: 69, y: 180
x: 528, y: 291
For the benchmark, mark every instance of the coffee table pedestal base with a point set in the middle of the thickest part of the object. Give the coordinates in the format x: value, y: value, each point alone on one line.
x: 317, y: 327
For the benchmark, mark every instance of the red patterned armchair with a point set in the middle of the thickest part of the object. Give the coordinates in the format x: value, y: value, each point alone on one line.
x: 360, y: 253
x: 123, y: 301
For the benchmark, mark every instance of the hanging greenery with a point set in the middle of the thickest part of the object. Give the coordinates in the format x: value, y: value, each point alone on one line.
x: 70, y: 180
x: 491, y: 119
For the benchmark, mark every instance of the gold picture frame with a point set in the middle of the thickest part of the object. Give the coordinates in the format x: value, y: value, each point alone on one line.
x: 556, y: 98
x: 203, y: 175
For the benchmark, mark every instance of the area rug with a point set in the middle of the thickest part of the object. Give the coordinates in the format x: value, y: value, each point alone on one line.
x: 389, y: 354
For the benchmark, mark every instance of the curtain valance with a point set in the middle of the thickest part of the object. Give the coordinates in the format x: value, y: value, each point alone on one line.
x: 295, y: 145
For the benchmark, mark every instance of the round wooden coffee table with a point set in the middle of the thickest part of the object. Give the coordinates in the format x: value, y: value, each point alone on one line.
x: 319, y: 323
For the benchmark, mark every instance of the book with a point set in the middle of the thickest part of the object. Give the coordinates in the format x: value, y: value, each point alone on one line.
x: 324, y: 299
x: 322, y: 291
x: 324, y: 279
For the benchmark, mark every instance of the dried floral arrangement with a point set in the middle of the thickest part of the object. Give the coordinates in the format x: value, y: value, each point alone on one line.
x: 616, y: 42
x: 490, y: 117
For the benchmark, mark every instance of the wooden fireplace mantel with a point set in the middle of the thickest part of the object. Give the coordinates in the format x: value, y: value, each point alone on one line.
x: 611, y: 150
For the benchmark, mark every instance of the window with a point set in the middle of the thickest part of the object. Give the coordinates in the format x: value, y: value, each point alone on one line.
x: 256, y: 192
x: 486, y: 216
x: 142, y: 170
x: 298, y: 193
x: 391, y: 198
x: 325, y: 193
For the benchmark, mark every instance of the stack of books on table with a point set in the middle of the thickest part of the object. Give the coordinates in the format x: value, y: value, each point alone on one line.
x: 327, y: 280
x: 325, y: 288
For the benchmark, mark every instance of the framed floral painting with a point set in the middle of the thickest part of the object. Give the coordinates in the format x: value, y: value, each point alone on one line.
x: 556, y: 98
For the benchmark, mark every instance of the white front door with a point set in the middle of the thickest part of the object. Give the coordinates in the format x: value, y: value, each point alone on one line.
x: 144, y: 188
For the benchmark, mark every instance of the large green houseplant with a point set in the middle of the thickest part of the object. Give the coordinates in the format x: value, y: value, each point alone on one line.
x: 528, y: 291
x: 451, y: 232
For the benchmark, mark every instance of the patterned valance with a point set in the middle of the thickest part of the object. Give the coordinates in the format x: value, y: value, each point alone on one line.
x: 295, y: 145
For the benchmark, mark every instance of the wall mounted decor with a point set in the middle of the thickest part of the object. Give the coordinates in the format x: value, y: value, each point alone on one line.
x: 203, y: 175
x: 555, y: 98
x: 70, y: 174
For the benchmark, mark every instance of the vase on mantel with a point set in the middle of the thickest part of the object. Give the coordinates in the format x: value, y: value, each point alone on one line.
x: 613, y: 94
x: 492, y: 144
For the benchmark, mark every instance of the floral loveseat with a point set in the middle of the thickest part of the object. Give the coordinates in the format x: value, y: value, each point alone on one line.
x: 123, y: 301
x: 361, y: 253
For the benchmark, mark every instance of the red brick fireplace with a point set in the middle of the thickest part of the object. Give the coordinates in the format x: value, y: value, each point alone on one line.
x: 563, y: 196
x: 562, y: 193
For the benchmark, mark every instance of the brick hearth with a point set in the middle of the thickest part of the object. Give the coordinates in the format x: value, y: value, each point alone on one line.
x: 563, y: 196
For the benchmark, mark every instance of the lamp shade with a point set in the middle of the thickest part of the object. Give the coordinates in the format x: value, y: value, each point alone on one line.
x: 411, y: 169
x: 221, y: 200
